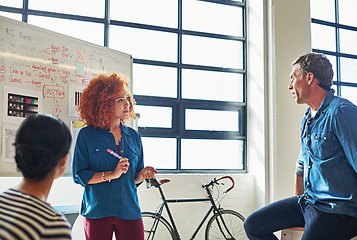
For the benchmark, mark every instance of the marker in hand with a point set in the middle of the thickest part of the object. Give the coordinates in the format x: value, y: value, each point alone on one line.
x: 114, y: 153
x: 123, y: 164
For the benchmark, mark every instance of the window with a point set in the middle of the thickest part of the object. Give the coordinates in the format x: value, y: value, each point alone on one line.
x: 334, y: 33
x: 189, y: 72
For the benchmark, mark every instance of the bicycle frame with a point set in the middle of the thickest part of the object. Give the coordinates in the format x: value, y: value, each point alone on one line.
x: 165, y: 205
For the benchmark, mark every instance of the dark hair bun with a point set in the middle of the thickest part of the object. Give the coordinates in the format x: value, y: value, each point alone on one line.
x: 41, y: 141
x: 33, y: 161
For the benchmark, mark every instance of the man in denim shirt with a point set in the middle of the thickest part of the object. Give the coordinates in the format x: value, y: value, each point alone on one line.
x: 326, y: 173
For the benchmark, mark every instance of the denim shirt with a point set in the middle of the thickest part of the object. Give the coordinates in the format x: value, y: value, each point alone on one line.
x: 329, y: 156
x: 116, y: 198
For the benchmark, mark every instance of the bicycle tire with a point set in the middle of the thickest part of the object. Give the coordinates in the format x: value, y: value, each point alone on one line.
x: 231, y: 229
x: 163, y: 229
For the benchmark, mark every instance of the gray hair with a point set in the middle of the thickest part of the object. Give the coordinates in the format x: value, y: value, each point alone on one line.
x: 319, y: 65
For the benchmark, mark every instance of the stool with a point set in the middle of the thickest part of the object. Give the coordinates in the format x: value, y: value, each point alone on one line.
x: 294, y: 233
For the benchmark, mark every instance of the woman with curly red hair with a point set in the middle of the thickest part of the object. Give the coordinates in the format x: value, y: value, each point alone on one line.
x: 108, y: 161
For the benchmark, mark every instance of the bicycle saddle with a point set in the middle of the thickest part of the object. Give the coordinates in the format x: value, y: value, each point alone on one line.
x: 156, y: 182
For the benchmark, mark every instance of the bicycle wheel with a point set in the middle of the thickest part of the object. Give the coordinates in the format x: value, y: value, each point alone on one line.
x: 156, y: 227
x: 228, y: 224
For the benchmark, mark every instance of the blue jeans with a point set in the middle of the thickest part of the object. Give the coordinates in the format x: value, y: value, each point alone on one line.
x: 289, y: 213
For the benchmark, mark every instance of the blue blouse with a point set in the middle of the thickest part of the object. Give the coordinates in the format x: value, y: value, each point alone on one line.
x: 116, y: 198
x: 328, y: 156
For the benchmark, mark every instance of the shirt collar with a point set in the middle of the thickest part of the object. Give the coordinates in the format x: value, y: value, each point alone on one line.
x: 124, y: 128
x: 324, y: 103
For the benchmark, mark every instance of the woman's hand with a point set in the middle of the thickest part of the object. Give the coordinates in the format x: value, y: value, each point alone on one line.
x: 122, y: 167
x: 145, y: 173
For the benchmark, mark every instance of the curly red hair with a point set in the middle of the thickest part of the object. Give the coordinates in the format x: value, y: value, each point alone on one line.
x: 98, y: 98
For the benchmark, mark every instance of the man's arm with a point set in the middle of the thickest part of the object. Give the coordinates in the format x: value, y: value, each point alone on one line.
x: 299, y: 185
x: 299, y: 175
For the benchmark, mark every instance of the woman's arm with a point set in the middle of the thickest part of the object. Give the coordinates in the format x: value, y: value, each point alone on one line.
x: 81, y: 171
x: 122, y: 167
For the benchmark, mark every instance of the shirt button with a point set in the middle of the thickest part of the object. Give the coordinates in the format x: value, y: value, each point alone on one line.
x: 309, y: 167
x: 76, y: 175
x: 307, y: 197
x: 308, y: 184
x: 97, y: 150
x: 315, y: 137
x: 308, y: 121
x: 325, y: 138
x: 308, y: 135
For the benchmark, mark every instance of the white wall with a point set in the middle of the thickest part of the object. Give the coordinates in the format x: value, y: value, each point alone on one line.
x: 288, y: 37
x: 188, y: 215
x: 278, y: 32
x: 257, y: 152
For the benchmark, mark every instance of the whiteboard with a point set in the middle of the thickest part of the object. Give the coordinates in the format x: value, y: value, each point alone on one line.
x: 44, y: 71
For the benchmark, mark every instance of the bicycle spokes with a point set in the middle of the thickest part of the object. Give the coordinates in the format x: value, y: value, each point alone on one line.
x: 223, y: 228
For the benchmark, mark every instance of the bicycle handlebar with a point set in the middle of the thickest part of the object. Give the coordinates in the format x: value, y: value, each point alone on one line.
x: 156, y: 183
x: 215, y: 181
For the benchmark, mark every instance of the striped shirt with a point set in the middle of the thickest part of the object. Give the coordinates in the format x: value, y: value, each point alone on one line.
x: 23, y: 216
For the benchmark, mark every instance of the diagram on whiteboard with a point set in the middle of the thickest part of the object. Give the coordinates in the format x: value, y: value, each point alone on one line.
x: 38, y: 59
x: 42, y: 71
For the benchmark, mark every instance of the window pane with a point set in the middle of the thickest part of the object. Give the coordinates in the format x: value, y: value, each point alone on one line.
x: 154, y: 12
x: 213, y: 17
x: 14, y: 16
x: 212, y: 52
x: 323, y: 37
x: 155, y: 80
x: 144, y: 44
x: 12, y: 3
x: 348, y: 70
x: 77, y: 7
x: 347, y: 12
x: 348, y: 41
x: 77, y: 29
x: 159, y: 153
x: 151, y: 116
x: 349, y: 93
x: 211, y: 120
x: 208, y: 85
x: 323, y: 9
x: 211, y: 154
x: 334, y: 87
x: 333, y: 62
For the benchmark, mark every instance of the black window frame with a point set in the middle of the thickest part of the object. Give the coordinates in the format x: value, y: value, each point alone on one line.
x: 337, y: 54
x: 179, y: 104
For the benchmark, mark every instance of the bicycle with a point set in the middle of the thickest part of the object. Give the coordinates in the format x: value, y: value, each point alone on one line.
x: 224, y: 224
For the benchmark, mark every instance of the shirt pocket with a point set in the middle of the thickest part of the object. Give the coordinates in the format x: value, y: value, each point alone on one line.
x: 99, y: 158
x: 132, y: 155
x: 322, y: 145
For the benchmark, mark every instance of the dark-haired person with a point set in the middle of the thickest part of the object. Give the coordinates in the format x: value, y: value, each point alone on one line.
x: 326, y: 174
x: 42, y: 144
x: 110, y: 202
